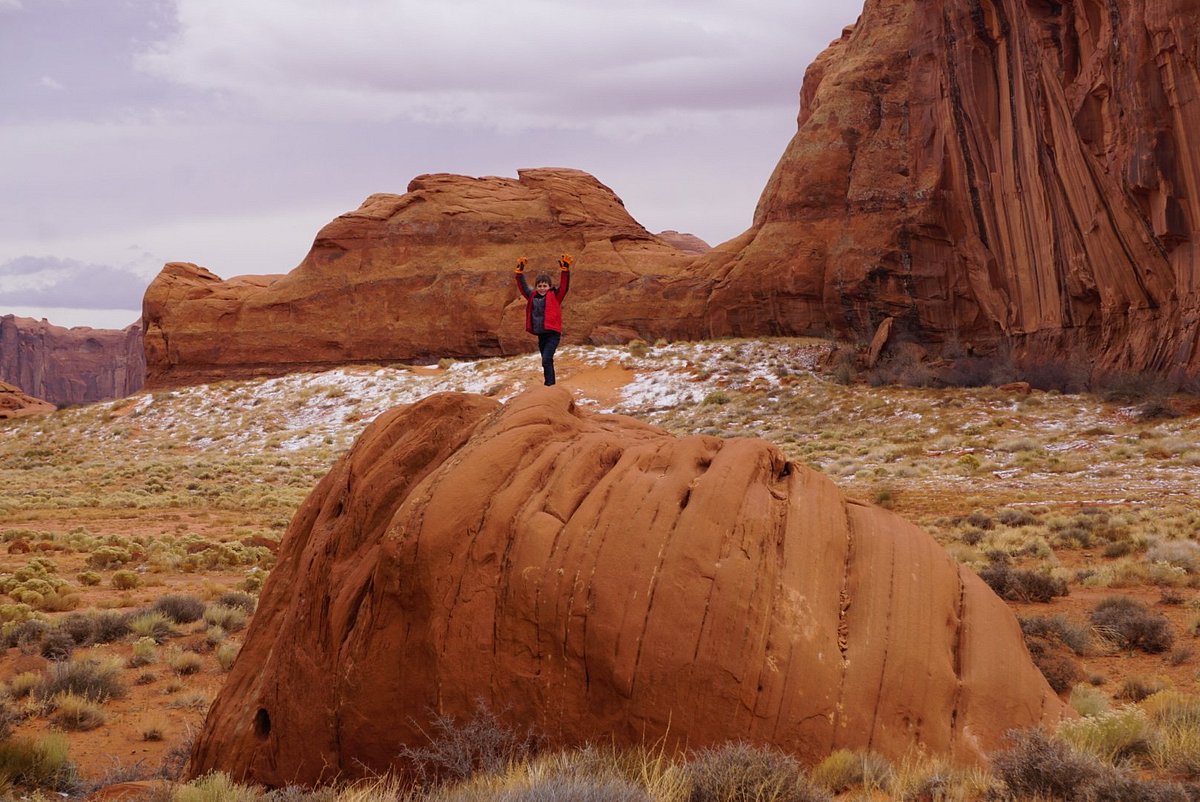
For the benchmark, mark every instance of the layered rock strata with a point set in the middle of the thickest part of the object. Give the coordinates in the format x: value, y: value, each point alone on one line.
x: 71, y: 366
x: 597, y: 579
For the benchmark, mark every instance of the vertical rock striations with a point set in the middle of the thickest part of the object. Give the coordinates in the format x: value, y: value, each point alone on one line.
x: 989, y: 169
x: 598, y: 579
x: 71, y: 366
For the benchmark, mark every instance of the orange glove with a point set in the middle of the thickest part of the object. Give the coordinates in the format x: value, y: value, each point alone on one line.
x: 521, y: 264
x: 565, y: 262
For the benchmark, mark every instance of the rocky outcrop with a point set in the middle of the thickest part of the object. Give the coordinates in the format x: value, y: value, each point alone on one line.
x: 688, y: 243
x: 417, y: 277
x: 71, y: 366
x: 598, y: 579
x: 999, y: 169
x: 16, y: 404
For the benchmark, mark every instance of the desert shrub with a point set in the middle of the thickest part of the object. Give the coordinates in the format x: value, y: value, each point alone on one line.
x: 105, y: 557
x: 1087, y: 701
x: 1129, y: 624
x: 1183, y: 554
x: 1011, y: 517
x: 1020, y: 584
x: 126, y: 580
x: 37, y: 763
x: 226, y: 653
x: 89, y: 578
x: 27, y: 635
x: 76, y: 713
x: 109, y: 625
x: 57, y: 645
x: 215, y: 787
x: 981, y: 520
x: 16, y: 613
x: 91, y: 679
x: 182, y: 608
x: 740, y: 772
x: 1118, y: 548
x: 558, y: 788
x: 1135, y: 689
x: 23, y: 684
x: 236, y: 598
x: 79, y: 626
x: 145, y: 652
x: 716, y: 397
x: 1038, y: 764
x: 1112, y: 735
x: 9, y: 715
x: 152, y: 624
x: 183, y: 662
x: 846, y: 769
x: 1058, y: 627
x: 1055, y: 662
x: 1177, y: 745
x: 458, y: 750
x: 231, y: 619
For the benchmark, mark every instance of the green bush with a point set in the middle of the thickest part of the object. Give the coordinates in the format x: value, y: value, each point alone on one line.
x: 1112, y: 735
x: 231, y: 619
x: 215, y: 787
x: 126, y: 580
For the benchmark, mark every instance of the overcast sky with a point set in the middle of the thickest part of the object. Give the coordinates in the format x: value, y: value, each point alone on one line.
x: 227, y: 132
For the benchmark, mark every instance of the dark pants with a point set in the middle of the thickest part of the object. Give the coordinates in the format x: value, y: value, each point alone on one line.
x: 548, y: 344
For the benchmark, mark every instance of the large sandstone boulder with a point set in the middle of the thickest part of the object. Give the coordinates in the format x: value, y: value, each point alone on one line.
x: 16, y: 404
x: 999, y: 169
x: 417, y: 277
x: 597, y: 578
x: 71, y: 366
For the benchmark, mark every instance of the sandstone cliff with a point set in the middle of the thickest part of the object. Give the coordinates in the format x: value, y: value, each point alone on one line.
x: 597, y: 578
x: 71, y: 366
x: 984, y: 170
x: 418, y: 276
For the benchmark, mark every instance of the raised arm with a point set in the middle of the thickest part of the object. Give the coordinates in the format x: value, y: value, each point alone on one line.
x: 522, y: 285
x: 564, y: 275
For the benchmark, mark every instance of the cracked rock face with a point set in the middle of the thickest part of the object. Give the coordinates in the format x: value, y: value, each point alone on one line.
x: 1019, y: 169
x: 70, y: 366
x: 596, y: 578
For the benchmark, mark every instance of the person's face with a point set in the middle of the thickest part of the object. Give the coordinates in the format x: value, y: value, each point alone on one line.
x: 542, y: 287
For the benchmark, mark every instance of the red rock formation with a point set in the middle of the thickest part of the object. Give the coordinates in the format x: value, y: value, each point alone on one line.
x: 71, y: 366
x: 597, y: 578
x: 688, y: 243
x: 16, y: 404
x: 999, y: 168
x: 415, y: 277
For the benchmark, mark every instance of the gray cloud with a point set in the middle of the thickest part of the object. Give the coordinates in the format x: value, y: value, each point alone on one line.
x: 610, y: 68
x: 50, y: 281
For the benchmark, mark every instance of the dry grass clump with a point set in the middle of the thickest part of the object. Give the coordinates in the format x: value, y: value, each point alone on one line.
x: 740, y: 771
x: 846, y: 769
x: 1131, y: 625
x: 151, y: 624
x: 1021, y: 584
x: 73, y: 712
x: 88, y: 678
x: 40, y: 763
x: 182, y: 608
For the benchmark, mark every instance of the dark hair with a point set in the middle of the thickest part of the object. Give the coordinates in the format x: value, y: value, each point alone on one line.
x: 541, y: 277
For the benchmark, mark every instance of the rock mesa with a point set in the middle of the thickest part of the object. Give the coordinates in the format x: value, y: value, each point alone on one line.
x: 594, y: 577
x: 16, y: 404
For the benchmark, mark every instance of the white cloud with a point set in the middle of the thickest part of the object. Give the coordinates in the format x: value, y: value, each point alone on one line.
x: 10, y: 5
x: 49, y: 82
x: 618, y: 68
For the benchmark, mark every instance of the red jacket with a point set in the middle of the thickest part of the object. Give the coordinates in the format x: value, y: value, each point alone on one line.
x: 553, y: 301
